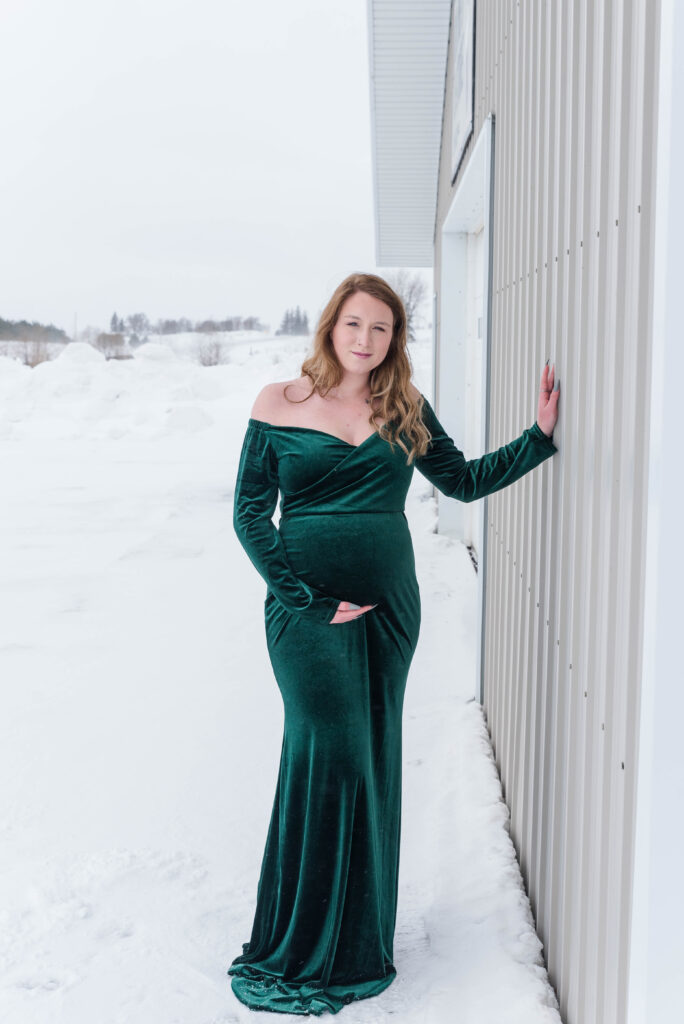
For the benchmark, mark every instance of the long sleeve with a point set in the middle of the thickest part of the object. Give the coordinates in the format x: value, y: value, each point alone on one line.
x: 467, y: 480
x: 255, y: 500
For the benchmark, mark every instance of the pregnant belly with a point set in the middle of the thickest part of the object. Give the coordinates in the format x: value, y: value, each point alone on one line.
x: 365, y: 557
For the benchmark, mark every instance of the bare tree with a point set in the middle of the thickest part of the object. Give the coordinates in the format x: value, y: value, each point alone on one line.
x: 35, y: 352
x: 207, y: 327
x: 111, y: 345
x: 210, y: 352
x: 89, y: 335
x: 412, y: 290
x: 138, y: 323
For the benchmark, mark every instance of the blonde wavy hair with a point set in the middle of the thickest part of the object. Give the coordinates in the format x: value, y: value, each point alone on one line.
x: 389, y: 382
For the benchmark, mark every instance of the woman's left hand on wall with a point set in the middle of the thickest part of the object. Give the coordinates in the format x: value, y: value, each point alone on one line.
x: 547, y: 408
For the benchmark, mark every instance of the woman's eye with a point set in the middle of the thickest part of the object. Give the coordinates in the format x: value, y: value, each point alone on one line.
x: 353, y: 323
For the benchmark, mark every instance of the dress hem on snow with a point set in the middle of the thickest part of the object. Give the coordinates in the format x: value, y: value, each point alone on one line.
x: 263, y: 991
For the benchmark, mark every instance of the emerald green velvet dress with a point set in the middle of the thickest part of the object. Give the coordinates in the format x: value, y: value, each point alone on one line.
x: 326, y: 900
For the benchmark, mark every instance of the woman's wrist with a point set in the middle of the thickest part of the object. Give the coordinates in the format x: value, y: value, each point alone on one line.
x: 549, y: 437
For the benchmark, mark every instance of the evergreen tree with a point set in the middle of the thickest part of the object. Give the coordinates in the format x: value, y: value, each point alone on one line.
x: 294, y: 321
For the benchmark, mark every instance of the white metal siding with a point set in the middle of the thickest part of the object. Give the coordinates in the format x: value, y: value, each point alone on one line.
x: 573, y: 89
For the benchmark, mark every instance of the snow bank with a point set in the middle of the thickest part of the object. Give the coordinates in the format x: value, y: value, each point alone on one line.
x: 141, y: 726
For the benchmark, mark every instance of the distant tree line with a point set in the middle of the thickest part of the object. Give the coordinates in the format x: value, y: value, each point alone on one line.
x: 294, y: 322
x: 140, y: 324
x: 22, y: 330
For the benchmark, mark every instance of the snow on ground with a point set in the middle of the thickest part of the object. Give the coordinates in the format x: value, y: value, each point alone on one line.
x: 216, y: 346
x: 141, y: 725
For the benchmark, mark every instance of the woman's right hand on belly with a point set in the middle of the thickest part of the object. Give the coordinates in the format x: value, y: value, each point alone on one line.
x: 346, y: 610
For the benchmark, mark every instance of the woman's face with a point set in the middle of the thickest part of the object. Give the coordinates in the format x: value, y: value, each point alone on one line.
x: 363, y: 332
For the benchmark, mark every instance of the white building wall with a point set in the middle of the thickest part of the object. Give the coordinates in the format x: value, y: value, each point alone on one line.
x: 573, y: 86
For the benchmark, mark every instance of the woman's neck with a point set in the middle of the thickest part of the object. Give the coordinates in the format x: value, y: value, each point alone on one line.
x: 352, y: 389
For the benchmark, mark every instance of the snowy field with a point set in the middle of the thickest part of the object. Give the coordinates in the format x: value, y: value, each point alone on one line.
x: 141, y: 725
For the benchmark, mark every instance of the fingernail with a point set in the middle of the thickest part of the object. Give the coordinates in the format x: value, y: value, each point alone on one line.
x: 556, y: 386
x: 547, y: 361
x: 352, y: 605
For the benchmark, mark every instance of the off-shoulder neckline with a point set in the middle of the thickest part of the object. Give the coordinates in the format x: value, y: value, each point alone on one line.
x: 315, y: 430
x: 310, y: 430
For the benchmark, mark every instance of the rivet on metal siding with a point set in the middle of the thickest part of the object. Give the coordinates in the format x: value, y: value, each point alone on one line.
x: 529, y: 590
x: 570, y: 666
x: 585, y: 693
x: 639, y: 208
x: 616, y: 223
x: 622, y: 764
x: 556, y: 259
x: 597, y: 234
x: 581, y: 244
x: 568, y: 251
x: 547, y: 622
x: 603, y: 726
x: 537, y: 604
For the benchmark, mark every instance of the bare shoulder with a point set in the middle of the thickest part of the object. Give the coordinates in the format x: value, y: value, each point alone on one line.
x: 268, y: 402
x: 271, y: 404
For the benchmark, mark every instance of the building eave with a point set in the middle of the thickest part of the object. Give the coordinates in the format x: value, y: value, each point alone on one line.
x: 408, y: 45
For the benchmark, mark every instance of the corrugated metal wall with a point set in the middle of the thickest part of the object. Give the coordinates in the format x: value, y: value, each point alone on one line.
x: 573, y: 89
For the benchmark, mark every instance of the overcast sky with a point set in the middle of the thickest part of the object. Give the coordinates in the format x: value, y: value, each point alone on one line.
x: 202, y: 159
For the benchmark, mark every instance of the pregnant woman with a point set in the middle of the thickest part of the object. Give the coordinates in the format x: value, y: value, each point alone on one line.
x: 342, y: 612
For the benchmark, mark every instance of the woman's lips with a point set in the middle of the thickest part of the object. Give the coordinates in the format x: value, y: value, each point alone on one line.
x: 362, y: 355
